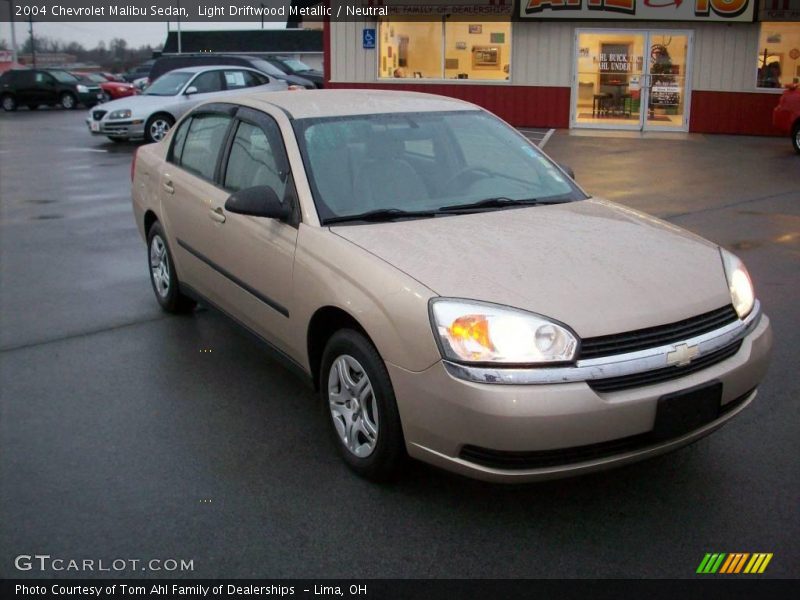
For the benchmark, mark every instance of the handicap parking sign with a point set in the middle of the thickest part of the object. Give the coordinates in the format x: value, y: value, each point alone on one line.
x: 368, y: 39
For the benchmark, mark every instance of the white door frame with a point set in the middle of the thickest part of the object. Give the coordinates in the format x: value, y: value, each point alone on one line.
x: 642, y: 124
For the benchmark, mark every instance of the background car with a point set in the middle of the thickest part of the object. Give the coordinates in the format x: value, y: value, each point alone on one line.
x: 151, y: 115
x: 52, y: 87
x: 112, y: 90
x: 294, y: 66
x: 167, y: 63
x: 139, y: 71
x: 786, y: 116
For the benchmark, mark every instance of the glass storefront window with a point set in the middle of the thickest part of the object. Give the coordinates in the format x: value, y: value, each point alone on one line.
x: 446, y: 49
x: 778, y: 60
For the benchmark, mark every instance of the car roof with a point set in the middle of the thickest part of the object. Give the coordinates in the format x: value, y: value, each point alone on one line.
x: 302, y: 104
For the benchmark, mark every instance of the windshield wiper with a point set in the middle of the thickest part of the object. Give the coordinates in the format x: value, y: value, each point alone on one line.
x: 499, y: 202
x: 383, y: 214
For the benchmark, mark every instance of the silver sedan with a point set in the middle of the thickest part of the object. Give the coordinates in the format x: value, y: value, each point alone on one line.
x: 151, y: 115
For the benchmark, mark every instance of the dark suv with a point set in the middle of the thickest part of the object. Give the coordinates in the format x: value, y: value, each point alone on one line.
x: 293, y: 66
x: 170, y: 62
x: 34, y: 87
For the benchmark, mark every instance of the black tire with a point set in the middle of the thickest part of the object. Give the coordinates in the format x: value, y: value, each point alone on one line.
x: 68, y: 101
x: 9, y: 103
x: 796, y: 137
x: 150, y: 134
x: 389, y: 454
x: 33, y: 107
x: 170, y: 299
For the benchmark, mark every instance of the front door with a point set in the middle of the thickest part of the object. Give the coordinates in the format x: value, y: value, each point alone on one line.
x: 626, y: 79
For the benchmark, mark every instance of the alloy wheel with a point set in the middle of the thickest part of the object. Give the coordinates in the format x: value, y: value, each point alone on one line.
x: 353, y: 406
x: 67, y: 101
x: 159, y: 266
x: 158, y: 129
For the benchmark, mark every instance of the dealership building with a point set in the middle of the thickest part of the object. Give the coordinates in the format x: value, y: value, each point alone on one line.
x: 714, y: 66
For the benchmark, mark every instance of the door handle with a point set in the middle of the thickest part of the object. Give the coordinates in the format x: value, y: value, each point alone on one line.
x: 217, y: 215
x: 169, y: 187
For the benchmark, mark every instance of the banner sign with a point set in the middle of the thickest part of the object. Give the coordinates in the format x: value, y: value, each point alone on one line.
x: 741, y: 11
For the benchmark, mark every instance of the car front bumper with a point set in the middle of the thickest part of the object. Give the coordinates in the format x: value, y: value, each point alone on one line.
x: 123, y: 129
x: 489, y: 431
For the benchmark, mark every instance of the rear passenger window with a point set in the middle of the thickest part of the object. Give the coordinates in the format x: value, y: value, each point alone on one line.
x: 178, y: 140
x: 203, y: 143
x: 257, y: 158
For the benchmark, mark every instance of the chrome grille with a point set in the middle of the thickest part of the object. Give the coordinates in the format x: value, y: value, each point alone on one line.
x: 651, y: 337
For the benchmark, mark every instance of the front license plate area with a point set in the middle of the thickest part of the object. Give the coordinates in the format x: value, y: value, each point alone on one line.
x: 682, y: 412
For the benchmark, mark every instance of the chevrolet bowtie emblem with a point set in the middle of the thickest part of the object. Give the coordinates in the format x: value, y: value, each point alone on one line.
x: 682, y: 355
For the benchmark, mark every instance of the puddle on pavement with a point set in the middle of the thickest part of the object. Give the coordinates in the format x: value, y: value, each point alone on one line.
x: 47, y: 217
x: 41, y: 201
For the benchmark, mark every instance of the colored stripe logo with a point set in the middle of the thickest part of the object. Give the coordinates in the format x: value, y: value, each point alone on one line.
x: 734, y: 563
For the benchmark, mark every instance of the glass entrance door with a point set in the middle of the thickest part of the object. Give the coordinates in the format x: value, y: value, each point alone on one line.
x: 631, y: 80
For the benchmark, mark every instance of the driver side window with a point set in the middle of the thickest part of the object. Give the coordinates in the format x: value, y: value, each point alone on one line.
x: 208, y: 82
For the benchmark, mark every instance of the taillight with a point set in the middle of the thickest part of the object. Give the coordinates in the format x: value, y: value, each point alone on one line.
x: 133, y: 163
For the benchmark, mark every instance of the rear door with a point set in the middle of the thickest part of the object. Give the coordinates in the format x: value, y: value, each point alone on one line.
x: 190, y: 196
x: 45, y: 89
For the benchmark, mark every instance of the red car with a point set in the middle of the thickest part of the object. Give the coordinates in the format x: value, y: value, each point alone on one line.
x: 113, y: 89
x: 786, y: 116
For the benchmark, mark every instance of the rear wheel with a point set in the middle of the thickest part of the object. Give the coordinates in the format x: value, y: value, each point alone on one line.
x: 68, y: 101
x: 157, y: 127
x: 796, y: 137
x: 163, y: 276
x: 9, y: 103
x: 359, y: 398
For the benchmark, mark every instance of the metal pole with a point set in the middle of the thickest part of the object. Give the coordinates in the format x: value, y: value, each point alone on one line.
x: 14, y: 53
x: 262, y: 15
x: 33, y: 42
x: 179, y: 27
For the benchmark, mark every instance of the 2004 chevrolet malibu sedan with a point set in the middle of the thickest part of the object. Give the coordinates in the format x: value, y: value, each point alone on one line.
x: 450, y: 291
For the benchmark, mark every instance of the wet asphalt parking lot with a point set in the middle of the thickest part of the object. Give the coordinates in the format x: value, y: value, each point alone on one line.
x: 121, y: 438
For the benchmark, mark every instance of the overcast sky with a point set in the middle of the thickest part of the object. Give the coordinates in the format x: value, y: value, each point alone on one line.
x: 135, y: 33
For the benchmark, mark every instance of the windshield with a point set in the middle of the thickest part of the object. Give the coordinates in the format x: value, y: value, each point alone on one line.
x: 63, y: 76
x: 295, y: 65
x: 91, y: 77
x: 424, y: 162
x: 267, y: 68
x: 169, y: 84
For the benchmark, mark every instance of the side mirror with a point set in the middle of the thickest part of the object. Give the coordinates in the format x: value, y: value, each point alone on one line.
x: 190, y: 90
x: 568, y: 170
x: 259, y: 201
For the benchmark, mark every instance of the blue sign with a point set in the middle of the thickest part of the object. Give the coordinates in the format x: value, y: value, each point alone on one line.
x: 368, y: 38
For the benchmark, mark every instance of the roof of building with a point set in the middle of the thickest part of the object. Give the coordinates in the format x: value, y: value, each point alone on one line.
x: 303, y: 104
x: 253, y: 41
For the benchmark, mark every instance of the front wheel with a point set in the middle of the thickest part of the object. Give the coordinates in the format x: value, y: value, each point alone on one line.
x: 796, y: 137
x: 157, y: 127
x: 163, y: 277
x: 359, y: 398
x: 68, y: 101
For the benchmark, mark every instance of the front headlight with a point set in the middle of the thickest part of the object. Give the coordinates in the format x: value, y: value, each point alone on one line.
x: 480, y: 332
x: 743, y: 296
x: 120, y: 114
x: 82, y: 89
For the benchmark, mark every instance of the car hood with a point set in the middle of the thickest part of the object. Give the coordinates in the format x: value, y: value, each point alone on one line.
x: 139, y: 105
x: 598, y: 267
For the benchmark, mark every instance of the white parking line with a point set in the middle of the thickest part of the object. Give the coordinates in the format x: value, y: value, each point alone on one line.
x: 83, y: 150
x: 546, y: 138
